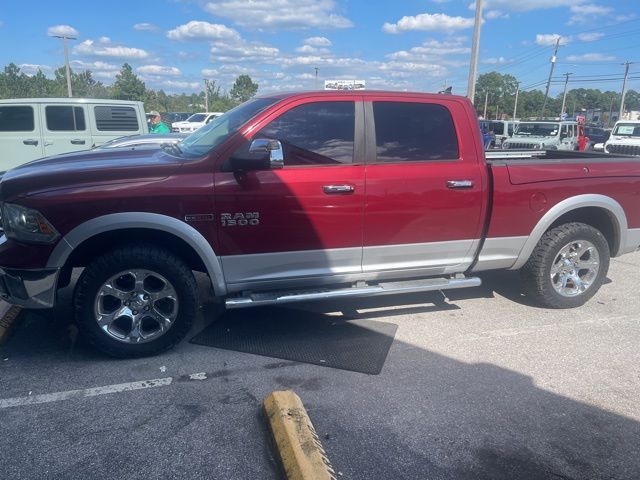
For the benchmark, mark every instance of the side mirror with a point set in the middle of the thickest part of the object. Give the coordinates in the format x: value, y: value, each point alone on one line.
x: 263, y: 154
x: 271, y: 147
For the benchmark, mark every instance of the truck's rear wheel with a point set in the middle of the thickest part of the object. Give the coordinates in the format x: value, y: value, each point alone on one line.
x: 567, y: 267
x: 135, y: 301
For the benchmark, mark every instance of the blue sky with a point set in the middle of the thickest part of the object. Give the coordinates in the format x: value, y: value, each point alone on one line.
x: 403, y: 45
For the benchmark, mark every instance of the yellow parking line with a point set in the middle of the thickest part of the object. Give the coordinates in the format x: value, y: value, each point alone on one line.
x: 298, y: 445
x: 8, y: 315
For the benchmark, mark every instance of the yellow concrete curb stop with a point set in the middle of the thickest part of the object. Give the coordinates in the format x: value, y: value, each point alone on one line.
x: 8, y: 315
x: 298, y: 445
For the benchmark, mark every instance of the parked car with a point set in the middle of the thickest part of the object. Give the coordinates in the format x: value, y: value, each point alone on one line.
x: 596, y: 134
x: 307, y: 196
x: 32, y: 128
x: 501, y: 129
x: 625, y: 138
x: 147, y: 140
x: 545, y: 135
x: 194, y: 122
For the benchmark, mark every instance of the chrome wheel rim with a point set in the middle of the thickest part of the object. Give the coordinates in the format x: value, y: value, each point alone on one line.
x: 136, y: 306
x: 575, y: 268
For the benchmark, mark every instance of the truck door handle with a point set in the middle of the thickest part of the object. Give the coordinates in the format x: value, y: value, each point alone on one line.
x: 77, y: 141
x: 459, y: 183
x: 338, y: 189
x: 30, y: 142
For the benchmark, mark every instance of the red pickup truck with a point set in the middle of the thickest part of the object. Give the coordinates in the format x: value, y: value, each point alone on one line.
x: 306, y: 196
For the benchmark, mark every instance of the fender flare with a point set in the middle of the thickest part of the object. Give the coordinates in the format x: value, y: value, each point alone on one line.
x: 151, y: 221
x: 614, y: 209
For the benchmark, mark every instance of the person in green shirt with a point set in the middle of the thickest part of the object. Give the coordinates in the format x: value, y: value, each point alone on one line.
x: 157, y: 126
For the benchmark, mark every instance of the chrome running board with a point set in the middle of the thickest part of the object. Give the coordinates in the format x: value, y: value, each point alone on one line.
x: 254, y: 299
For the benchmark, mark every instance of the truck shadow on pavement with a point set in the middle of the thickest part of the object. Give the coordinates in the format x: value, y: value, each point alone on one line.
x: 425, y: 416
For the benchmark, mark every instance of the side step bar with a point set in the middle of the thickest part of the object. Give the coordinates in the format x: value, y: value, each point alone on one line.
x: 276, y: 298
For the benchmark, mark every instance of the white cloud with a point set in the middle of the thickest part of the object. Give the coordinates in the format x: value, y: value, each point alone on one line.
x: 587, y: 12
x: 280, y: 14
x: 591, y: 57
x: 547, y: 39
x: 196, y: 30
x: 180, y: 85
x: 590, y: 37
x: 310, y: 49
x: 90, y: 48
x: 494, y: 61
x: 62, y: 30
x: 526, y: 5
x: 429, y: 22
x: 317, y: 41
x: 31, y: 69
x: 495, y: 14
x: 242, y: 51
x: 104, y: 40
x: 431, y: 49
x: 97, y: 65
x: 159, y: 70
x: 150, y: 27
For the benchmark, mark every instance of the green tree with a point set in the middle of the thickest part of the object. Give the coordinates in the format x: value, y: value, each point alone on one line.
x: 128, y: 86
x: 501, y: 91
x: 243, y: 88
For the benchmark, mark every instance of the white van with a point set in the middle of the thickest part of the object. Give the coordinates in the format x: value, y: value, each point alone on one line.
x: 32, y: 128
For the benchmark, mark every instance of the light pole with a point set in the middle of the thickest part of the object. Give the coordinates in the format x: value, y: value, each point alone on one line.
x: 624, y: 88
x: 66, y: 60
x: 475, y: 50
x: 553, y: 65
x: 316, y: 84
x: 515, y: 105
x: 486, y: 100
x: 564, y: 95
x: 206, y: 95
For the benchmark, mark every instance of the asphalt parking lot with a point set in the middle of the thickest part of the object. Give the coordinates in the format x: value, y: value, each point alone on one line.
x: 477, y: 386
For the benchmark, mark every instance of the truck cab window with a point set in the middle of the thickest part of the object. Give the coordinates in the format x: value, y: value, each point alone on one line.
x: 320, y: 133
x: 407, y: 132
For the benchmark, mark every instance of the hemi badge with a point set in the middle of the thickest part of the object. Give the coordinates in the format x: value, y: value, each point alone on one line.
x: 201, y: 217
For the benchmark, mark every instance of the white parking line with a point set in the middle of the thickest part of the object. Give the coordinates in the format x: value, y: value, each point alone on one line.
x: 87, y: 392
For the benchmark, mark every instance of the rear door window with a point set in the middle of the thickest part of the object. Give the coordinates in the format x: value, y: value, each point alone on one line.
x: 16, y: 119
x: 111, y: 118
x: 409, y: 132
x: 64, y: 118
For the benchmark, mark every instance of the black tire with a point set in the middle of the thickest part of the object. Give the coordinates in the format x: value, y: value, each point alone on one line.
x: 146, y: 257
x: 536, y: 273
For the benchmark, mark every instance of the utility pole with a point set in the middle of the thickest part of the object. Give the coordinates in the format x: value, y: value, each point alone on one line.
x: 206, y: 95
x: 564, y: 96
x: 624, y: 88
x: 486, y: 99
x: 316, y: 84
x: 553, y: 65
x: 475, y: 50
x: 515, y: 105
x: 610, y: 111
x: 66, y: 60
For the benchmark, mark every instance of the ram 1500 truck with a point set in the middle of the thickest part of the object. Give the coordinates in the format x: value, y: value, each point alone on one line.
x: 308, y: 196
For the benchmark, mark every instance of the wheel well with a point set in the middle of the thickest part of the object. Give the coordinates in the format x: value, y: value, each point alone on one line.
x: 106, y: 241
x: 599, y: 218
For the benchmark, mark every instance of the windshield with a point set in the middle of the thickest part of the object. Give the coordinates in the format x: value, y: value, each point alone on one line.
x: 627, y: 129
x: 196, y: 117
x: 537, y: 129
x: 495, y: 127
x: 220, y: 128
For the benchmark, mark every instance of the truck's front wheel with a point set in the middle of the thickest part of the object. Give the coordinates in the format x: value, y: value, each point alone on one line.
x: 135, y: 301
x: 567, y: 267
